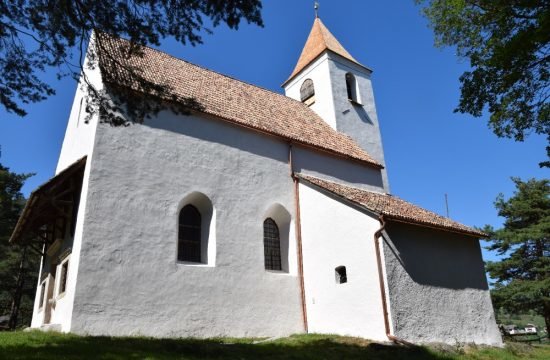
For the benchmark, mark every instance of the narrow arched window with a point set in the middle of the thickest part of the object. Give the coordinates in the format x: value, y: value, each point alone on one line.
x: 307, y: 92
x: 189, y: 234
x: 272, y: 245
x: 351, y: 87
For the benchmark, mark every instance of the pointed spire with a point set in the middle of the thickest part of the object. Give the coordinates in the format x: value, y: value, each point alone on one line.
x: 319, y: 40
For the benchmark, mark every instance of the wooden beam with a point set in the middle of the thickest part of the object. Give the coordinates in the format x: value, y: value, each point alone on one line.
x: 44, y: 238
x: 35, y: 249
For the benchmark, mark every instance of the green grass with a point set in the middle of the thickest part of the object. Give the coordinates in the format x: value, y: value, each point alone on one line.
x: 38, y: 345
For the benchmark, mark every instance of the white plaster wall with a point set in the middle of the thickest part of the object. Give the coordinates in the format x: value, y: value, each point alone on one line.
x: 79, y: 134
x: 319, y: 72
x: 437, y: 287
x: 359, y: 121
x: 64, y: 308
x: 337, y: 169
x: 129, y: 281
x: 78, y: 142
x: 61, y: 314
x: 334, y: 234
x: 37, y: 314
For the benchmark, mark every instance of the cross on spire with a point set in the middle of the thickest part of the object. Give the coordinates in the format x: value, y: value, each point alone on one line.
x: 316, y: 7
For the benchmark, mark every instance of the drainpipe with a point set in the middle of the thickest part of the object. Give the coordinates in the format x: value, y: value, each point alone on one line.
x: 377, y: 235
x: 298, y: 238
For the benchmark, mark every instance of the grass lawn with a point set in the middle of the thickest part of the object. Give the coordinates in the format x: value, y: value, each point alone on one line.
x: 39, y: 345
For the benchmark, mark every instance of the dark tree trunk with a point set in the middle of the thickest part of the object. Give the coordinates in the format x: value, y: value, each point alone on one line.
x: 16, y: 301
x: 546, y: 314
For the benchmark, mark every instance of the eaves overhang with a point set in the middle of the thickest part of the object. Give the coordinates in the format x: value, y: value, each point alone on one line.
x: 390, y: 207
x: 48, y: 202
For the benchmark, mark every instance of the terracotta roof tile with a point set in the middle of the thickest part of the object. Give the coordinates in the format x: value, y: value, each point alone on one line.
x: 319, y: 40
x: 392, y: 207
x: 228, y: 98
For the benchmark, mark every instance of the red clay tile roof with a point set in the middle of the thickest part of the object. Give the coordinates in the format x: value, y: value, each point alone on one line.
x: 228, y: 98
x: 319, y: 40
x: 393, y: 208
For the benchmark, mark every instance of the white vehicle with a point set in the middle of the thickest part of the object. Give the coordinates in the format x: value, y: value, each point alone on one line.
x: 531, y: 329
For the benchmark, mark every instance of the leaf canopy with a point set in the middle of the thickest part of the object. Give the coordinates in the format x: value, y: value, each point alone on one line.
x: 40, y: 35
x: 508, y: 45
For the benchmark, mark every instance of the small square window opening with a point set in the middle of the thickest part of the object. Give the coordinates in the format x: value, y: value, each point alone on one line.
x: 341, y: 275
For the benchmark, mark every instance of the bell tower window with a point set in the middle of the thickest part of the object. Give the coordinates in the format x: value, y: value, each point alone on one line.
x: 307, y: 92
x: 351, y: 86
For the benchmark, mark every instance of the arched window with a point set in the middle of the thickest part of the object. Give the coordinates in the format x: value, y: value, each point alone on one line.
x: 351, y: 86
x: 272, y: 245
x: 189, y: 234
x: 307, y: 92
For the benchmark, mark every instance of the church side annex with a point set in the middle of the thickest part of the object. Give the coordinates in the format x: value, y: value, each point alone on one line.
x: 256, y: 214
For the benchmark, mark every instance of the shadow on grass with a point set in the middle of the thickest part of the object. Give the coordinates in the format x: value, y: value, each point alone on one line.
x: 38, y: 346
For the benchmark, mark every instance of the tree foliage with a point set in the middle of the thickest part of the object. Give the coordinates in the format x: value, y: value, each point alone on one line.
x: 508, y: 45
x: 11, y: 256
x: 523, y: 275
x: 41, y: 35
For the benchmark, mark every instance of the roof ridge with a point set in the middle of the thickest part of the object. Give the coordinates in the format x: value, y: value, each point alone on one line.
x: 224, y: 75
x: 322, y: 27
x: 204, y: 68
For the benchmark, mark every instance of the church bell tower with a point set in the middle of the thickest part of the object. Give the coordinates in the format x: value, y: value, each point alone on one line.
x: 339, y: 89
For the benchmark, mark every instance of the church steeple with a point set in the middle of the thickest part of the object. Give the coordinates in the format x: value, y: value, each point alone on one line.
x: 339, y: 89
x: 319, y: 40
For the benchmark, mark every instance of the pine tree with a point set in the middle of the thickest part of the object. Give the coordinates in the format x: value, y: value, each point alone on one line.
x: 18, y: 267
x: 523, y: 275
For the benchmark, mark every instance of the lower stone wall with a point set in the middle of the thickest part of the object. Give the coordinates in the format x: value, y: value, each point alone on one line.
x: 437, y: 287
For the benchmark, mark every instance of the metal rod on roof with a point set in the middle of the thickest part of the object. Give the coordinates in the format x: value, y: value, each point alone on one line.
x: 447, y: 204
x: 316, y: 7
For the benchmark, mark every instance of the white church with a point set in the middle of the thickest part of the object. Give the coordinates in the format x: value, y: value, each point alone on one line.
x: 258, y: 215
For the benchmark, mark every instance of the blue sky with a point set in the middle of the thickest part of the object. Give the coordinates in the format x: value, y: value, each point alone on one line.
x: 429, y: 149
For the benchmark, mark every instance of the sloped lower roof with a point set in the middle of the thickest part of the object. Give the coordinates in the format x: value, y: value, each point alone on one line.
x: 319, y: 40
x: 393, y: 208
x: 226, y: 98
x: 33, y: 212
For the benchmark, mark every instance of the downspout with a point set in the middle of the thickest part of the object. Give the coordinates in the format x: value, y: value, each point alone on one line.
x: 298, y: 238
x: 377, y: 235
